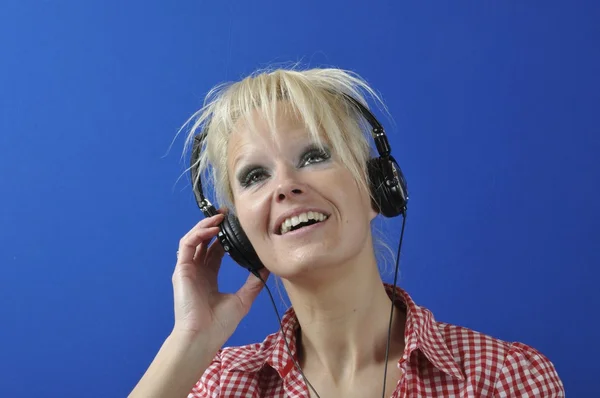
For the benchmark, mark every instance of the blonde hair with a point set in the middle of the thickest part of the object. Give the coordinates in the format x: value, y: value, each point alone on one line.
x: 318, y: 97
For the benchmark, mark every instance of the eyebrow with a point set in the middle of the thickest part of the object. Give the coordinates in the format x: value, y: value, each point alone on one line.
x: 237, y: 159
x: 241, y: 154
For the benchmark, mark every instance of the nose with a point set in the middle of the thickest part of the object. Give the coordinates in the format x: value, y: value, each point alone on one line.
x: 289, y: 188
x: 288, y: 192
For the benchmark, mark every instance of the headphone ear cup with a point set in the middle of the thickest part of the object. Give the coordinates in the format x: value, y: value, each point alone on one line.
x: 388, y: 187
x: 236, y: 243
x: 375, y: 184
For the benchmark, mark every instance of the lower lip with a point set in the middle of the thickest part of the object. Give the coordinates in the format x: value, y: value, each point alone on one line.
x: 304, y: 230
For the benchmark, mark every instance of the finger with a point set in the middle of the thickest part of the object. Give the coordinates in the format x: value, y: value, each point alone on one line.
x: 201, y: 249
x: 215, y: 252
x: 204, y: 223
x: 189, y: 243
x: 208, y: 253
x: 250, y: 290
x: 186, y: 266
x: 211, y: 264
x: 209, y: 222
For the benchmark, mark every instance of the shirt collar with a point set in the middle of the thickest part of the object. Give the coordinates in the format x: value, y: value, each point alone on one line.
x: 272, y: 351
x: 421, y: 334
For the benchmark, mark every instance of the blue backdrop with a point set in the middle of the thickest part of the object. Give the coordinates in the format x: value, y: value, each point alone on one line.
x: 495, y: 123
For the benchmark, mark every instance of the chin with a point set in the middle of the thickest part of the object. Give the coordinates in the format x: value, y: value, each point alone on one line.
x: 306, y: 261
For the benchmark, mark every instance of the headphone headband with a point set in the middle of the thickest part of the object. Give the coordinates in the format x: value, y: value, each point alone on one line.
x: 204, y: 204
x: 377, y: 131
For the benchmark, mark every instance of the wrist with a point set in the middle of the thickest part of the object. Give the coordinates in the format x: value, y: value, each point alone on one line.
x: 192, y: 344
x: 179, y: 364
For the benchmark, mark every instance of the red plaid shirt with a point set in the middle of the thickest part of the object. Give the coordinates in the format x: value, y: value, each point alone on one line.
x: 439, y: 360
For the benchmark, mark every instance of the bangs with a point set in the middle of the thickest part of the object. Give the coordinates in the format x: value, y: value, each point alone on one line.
x: 316, y: 98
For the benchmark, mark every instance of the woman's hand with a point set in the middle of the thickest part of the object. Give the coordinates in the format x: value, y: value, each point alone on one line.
x: 204, y: 317
x: 201, y: 310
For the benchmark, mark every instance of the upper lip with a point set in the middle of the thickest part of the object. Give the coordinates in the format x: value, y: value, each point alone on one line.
x: 292, y: 213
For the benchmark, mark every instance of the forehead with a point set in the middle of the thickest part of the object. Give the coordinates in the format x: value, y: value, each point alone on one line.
x: 262, y: 133
x: 272, y: 123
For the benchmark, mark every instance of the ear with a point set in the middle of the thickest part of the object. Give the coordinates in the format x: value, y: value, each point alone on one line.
x: 371, y: 206
x: 372, y: 213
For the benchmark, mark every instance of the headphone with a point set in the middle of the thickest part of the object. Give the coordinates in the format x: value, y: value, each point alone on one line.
x: 386, y: 182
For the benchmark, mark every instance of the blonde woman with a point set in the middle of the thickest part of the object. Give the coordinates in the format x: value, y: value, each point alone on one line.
x: 289, y: 152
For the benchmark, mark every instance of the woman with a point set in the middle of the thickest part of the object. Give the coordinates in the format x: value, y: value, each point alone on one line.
x: 291, y: 143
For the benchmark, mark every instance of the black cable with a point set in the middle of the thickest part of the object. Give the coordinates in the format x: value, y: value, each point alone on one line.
x: 284, y: 339
x: 387, y: 349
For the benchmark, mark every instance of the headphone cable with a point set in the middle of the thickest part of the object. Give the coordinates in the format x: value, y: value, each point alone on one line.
x: 387, y: 349
x: 284, y: 339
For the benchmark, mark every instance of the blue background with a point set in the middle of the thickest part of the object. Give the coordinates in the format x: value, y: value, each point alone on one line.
x: 495, y: 123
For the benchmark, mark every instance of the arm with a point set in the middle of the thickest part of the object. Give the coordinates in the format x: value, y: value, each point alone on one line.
x: 528, y: 373
x: 204, y: 317
x: 175, y: 370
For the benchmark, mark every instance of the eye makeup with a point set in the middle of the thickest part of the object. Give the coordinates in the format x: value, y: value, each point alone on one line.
x: 254, y: 173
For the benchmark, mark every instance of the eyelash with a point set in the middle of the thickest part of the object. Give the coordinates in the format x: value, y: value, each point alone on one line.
x: 322, y: 154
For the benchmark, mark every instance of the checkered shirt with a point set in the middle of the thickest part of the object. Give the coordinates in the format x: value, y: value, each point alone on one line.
x: 439, y: 360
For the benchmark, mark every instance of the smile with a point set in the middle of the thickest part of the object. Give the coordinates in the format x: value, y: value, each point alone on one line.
x: 302, y: 220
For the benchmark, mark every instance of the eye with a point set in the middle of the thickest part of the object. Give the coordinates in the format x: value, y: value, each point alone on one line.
x: 315, y: 155
x: 252, y: 176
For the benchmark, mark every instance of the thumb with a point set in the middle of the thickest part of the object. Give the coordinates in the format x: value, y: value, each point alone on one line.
x: 250, y: 290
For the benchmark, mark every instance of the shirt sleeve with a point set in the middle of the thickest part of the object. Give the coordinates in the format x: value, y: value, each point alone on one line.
x: 526, y: 372
x: 209, y: 385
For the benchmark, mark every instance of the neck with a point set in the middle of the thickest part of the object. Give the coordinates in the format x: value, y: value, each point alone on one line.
x: 345, y: 319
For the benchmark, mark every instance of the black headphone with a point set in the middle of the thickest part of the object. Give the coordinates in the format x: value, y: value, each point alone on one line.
x: 386, y: 180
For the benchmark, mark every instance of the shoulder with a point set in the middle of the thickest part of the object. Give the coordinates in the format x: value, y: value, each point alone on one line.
x: 528, y: 372
x: 509, y: 368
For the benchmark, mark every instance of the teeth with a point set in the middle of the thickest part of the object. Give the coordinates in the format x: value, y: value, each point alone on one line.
x: 300, y: 218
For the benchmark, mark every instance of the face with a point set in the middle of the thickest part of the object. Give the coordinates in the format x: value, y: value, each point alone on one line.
x: 300, y: 207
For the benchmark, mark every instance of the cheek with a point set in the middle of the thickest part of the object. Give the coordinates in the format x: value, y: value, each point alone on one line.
x: 351, y: 193
x: 252, y: 215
